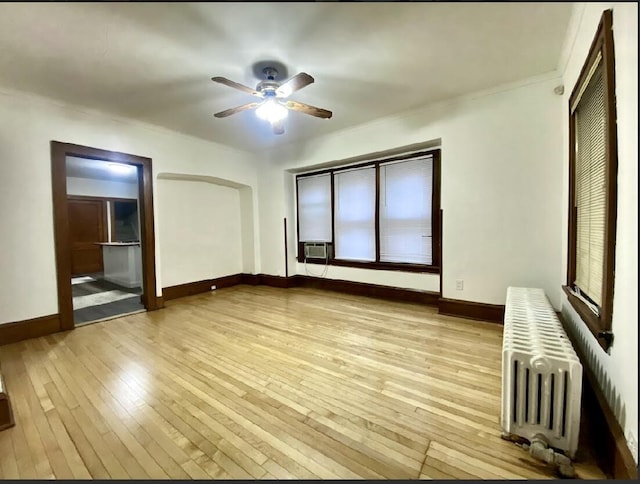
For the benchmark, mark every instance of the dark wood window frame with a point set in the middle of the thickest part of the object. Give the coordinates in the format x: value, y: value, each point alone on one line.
x: 602, y: 45
x: 378, y: 265
x: 59, y: 152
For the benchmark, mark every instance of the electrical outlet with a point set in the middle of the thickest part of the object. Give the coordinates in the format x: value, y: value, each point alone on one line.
x: 213, y: 288
x: 459, y: 284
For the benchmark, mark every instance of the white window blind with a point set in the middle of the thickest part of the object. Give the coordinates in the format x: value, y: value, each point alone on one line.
x: 314, y: 208
x: 354, y: 214
x: 590, y: 196
x: 405, y: 211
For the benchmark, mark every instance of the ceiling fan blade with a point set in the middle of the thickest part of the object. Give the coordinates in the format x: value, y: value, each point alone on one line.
x: 229, y: 112
x: 236, y: 85
x: 278, y: 127
x: 293, y: 84
x: 307, y: 109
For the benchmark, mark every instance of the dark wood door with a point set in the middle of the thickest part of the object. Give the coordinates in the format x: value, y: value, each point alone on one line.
x: 87, y: 225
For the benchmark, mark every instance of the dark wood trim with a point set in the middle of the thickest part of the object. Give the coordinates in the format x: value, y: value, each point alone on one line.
x: 30, y: 328
x: 159, y: 302
x: 59, y: 152
x: 198, y: 287
x: 250, y: 279
x: 381, y: 266
x: 472, y: 310
x: 350, y: 287
x: 440, y: 244
x: 61, y: 233
x: 112, y: 224
x: 147, y: 233
x: 611, y: 170
x: 436, y: 212
x: 405, y: 156
x: 277, y: 281
x: 602, y: 44
x: 370, y: 290
x: 286, y: 250
x: 106, y: 199
x: 589, y: 319
x: 268, y: 280
x: 333, y: 219
x: 573, y: 210
x: 298, y: 221
x: 376, y: 214
x: 6, y: 414
x: 604, y: 433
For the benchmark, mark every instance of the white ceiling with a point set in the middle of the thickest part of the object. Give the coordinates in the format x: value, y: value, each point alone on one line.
x: 154, y: 61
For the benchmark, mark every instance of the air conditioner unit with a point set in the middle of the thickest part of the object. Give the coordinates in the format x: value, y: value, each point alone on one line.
x: 315, y: 250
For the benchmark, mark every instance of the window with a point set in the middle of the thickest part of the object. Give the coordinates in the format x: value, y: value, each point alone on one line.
x: 355, y: 214
x: 314, y: 208
x: 124, y: 221
x: 405, y: 211
x: 592, y: 189
x: 381, y: 214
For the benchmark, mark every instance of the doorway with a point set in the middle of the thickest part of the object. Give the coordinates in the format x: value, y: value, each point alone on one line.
x: 104, y: 242
x: 106, y: 264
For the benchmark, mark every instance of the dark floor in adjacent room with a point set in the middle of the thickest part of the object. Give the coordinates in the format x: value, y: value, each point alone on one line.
x: 95, y: 299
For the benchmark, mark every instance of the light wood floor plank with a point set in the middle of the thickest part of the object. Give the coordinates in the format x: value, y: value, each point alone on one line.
x: 82, y: 444
x: 253, y: 382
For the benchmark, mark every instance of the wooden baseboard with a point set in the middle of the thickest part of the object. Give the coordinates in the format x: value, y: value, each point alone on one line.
x: 251, y: 279
x: 278, y: 281
x: 30, y: 328
x: 198, y: 287
x: 452, y: 307
x: 605, y: 435
x: 159, y: 302
x: 471, y: 310
x: 6, y: 414
x: 370, y: 290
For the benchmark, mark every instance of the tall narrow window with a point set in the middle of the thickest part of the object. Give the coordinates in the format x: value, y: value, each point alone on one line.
x: 405, y: 211
x: 592, y: 190
x: 354, y: 214
x: 314, y: 208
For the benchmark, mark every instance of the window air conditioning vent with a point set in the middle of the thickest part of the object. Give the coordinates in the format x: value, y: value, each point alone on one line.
x: 315, y: 250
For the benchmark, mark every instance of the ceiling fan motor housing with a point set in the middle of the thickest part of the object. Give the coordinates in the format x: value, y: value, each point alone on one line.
x: 268, y: 87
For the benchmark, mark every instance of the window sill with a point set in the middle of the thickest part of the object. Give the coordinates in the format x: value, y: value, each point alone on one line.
x: 380, y: 266
x: 590, y: 320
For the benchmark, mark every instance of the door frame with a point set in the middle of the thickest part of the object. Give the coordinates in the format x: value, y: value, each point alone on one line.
x: 59, y: 152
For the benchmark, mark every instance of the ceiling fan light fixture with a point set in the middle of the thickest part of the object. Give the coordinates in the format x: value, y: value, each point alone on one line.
x: 272, y: 111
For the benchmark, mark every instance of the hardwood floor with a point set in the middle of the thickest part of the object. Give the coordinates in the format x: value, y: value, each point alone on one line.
x: 258, y: 382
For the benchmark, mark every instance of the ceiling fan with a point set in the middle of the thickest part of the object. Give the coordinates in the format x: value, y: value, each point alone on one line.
x: 274, y: 105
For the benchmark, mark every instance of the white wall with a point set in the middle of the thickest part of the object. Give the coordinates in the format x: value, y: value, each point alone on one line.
x: 200, y: 229
x: 501, y: 188
x: 617, y: 371
x: 89, y: 187
x: 27, y: 125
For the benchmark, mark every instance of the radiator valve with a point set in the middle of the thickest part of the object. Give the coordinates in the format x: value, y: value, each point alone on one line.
x: 539, y: 449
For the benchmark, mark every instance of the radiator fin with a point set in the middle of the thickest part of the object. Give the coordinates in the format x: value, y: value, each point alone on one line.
x: 542, y: 375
